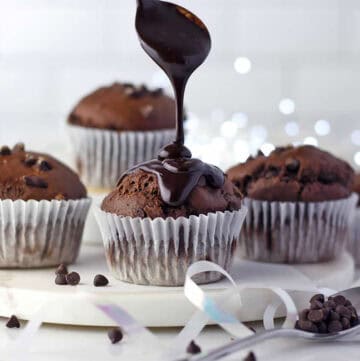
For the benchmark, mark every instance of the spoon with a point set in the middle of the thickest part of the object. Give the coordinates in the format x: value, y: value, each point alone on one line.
x: 178, y: 41
x: 352, y: 294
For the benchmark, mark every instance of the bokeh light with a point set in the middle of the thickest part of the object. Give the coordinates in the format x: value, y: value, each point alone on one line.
x: 242, y: 65
x: 287, y: 106
x: 322, y: 127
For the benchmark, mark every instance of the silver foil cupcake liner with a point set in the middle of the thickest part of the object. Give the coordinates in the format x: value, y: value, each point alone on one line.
x: 102, y: 156
x: 41, y: 233
x: 295, y: 232
x: 354, y: 237
x: 159, y: 251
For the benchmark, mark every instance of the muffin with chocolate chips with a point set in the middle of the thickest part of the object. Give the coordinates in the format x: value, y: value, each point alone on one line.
x: 165, y: 215
x: 354, y: 238
x: 300, y: 202
x: 43, y: 210
x: 116, y: 127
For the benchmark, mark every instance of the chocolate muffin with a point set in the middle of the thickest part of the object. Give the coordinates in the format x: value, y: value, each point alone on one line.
x: 125, y: 107
x: 354, y: 237
x: 294, y: 174
x: 43, y: 210
x: 300, y: 201
x: 116, y: 127
x: 165, y: 215
x: 29, y: 175
x: 138, y: 195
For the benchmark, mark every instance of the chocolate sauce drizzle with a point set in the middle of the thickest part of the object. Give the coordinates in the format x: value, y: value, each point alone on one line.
x: 179, y: 42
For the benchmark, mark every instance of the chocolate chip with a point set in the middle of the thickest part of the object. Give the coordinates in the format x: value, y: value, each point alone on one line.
x: 5, y: 150
x: 304, y: 314
x: 322, y: 327
x: 250, y: 357
x: 60, y: 279
x: 339, y: 300
x: 335, y: 326
x: 345, y: 323
x: 315, y: 305
x: 115, y: 335
x: 308, y: 326
x: 316, y: 315
x: 62, y: 270
x: 100, y: 281
x: 330, y: 304
x: 44, y: 165
x: 73, y: 278
x: 343, y: 311
x: 13, y: 322
x: 327, y: 178
x: 30, y: 160
x: 318, y: 297
x: 292, y: 165
x: 334, y: 316
x: 19, y: 147
x: 193, y: 348
x: 35, y: 181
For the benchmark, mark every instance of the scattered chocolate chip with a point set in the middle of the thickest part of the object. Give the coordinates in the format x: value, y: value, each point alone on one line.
x: 60, y: 279
x: 334, y: 316
x: 35, y: 181
x: 292, y: 165
x: 115, y: 335
x: 327, y: 178
x: 13, y: 322
x: 343, y: 311
x: 5, y: 150
x: 250, y: 357
x: 44, y: 165
x: 30, y: 160
x: 193, y: 348
x: 73, y: 278
x: 62, y: 270
x: 100, y: 281
x: 19, y: 147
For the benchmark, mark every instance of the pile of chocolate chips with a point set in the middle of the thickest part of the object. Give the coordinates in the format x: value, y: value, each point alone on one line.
x: 328, y: 316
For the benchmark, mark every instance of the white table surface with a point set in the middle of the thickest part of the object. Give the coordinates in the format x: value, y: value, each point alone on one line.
x: 59, y: 343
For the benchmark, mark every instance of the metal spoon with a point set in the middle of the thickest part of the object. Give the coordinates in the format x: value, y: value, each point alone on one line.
x: 352, y: 294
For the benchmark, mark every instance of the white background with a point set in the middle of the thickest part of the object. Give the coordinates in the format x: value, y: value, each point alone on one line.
x: 52, y: 52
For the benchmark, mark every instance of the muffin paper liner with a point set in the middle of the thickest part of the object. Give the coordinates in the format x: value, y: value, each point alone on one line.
x: 296, y: 232
x: 354, y: 237
x: 102, y: 156
x: 41, y: 233
x: 159, y: 251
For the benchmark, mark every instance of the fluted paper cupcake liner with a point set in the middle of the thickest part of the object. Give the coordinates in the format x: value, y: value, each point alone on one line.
x: 102, y: 156
x: 295, y: 232
x: 159, y: 251
x: 41, y: 233
x: 354, y: 237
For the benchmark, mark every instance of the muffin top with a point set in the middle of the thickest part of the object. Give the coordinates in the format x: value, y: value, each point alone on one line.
x: 290, y: 174
x: 29, y: 175
x: 124, y: 107
x: 138, y: 195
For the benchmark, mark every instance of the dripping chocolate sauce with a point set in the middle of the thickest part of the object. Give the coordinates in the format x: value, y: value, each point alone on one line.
x: 179, y: 42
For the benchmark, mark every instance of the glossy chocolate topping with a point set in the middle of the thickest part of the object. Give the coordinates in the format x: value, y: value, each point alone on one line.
x: 179, y: 43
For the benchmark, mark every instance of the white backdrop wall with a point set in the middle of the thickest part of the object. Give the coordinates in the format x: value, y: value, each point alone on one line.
x: 52, y: 52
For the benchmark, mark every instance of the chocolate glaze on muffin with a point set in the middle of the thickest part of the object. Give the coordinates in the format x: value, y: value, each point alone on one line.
x: 138, y: 195
x: 124, y: 107
x: 290, y: 174
x: 28, y: 175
